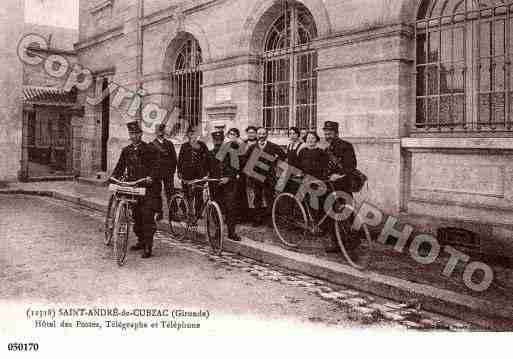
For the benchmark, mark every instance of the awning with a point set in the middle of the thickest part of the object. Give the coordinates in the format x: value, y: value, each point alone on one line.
x: 48, y: 96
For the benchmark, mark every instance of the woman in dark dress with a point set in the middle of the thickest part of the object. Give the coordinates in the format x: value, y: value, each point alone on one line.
x: 193, y: 163
x: 233, y: 136
x: 312, y: 160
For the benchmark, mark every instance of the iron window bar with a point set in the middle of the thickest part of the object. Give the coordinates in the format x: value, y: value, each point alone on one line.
x: 186, y: 80
x: 497, y: 17
x: 288, y: 88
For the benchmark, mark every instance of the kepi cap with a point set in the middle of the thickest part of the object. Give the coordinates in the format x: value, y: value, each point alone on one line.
x: 134, y: 127
x: 330, y: 125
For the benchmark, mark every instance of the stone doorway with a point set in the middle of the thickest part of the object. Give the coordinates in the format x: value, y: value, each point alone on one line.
x: 49, y: 142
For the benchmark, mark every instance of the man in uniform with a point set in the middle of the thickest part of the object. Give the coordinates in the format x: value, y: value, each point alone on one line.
x: 342, y: 163
x: 226, y: 192
x: 138, y: 161
x: 166, y: 164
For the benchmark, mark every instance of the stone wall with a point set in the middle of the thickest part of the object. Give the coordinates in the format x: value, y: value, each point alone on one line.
x: 11, y: 28
x: 364, y: 66
x: 365, y: 82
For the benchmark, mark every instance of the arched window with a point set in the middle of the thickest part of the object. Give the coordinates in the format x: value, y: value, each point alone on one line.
x: 289, y: 72
x: 186, y: 80
x: 464, y: 74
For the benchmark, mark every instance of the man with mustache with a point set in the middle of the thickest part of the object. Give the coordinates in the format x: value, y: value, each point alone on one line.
x: 261, y: 195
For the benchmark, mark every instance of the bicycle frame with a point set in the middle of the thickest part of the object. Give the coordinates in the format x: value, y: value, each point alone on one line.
x: 131, y: 201
x: 127, y: 192
x: 313, y: 224
x: 203, y: 184
x: 125, y: 198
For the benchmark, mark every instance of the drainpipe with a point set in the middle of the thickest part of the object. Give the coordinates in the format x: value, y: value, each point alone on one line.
x: 139, y: 56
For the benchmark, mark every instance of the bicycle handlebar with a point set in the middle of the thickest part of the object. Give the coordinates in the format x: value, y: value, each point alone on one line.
x: 202, y: 180
x: 127, y: 184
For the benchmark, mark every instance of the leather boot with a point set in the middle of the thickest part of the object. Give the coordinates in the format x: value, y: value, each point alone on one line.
x: 231, y: 233
x: 234, y: 237
x: 147, y: 252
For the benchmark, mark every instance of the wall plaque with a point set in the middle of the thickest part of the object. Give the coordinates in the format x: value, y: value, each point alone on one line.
x: 223, y: 94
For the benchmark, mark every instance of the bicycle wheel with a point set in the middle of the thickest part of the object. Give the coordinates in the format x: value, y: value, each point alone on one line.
x: 109, y: 220
x: 178, y: 215
x: 215, y: 226
x: 289, y: 220
x: 355, y: 247
x: 121, y: 231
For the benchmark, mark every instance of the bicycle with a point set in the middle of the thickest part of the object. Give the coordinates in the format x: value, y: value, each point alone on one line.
x: 184, y: 218
x: 294, y: 223
x: 120, y: 215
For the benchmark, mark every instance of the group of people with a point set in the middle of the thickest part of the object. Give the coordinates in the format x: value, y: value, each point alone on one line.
x: 242, y: 198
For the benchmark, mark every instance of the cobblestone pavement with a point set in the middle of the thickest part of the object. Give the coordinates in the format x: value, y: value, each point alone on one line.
x: 359, y: 306
x: 53, y: 251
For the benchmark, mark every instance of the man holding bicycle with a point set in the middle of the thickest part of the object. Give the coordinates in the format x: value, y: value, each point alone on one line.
x: 225, y: 192
x: 138, y: 161
x: 341, y: 165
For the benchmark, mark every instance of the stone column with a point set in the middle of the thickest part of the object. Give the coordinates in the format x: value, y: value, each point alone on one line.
x: 24, y: 170
x: 87, y: 134
x: 76, y: 136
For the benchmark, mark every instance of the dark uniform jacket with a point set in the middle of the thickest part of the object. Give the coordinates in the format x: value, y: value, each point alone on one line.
x: 227, y: 195
x: 166, y: 165
x: 137, y: 162
x: 192, y: 163
x: 342, y: 159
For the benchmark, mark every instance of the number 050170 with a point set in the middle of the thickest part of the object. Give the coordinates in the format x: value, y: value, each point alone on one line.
x: 22, y: 347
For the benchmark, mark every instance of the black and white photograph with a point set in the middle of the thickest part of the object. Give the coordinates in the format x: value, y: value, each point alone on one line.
x: 178, y: 171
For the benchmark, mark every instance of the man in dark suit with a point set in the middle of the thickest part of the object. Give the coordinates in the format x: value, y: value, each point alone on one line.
x: 166, y: 165
x: 263, y: 193
x: 138, y: 161
x: 342, y: 163
x: 225, y: 193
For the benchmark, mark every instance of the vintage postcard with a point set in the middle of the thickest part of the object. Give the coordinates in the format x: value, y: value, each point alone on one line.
x: 317, y: 169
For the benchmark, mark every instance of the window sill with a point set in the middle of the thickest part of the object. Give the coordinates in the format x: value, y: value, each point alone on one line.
x: 458, y: 143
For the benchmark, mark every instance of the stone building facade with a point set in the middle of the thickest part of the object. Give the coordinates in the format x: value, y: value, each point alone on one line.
x: 35, y: 120
x: 422, y: 88
x: 50, y: 112
x: 11, y: 82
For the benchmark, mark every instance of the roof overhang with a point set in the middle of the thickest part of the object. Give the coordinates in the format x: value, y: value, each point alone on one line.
x: 48, y: 96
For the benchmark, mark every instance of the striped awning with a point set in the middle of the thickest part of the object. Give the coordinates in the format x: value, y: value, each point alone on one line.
x: 48, y: 95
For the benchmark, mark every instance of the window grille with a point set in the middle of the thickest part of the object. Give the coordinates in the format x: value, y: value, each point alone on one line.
x: 463, y: 65
x: 186, y: 83
x: 290, y: 72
